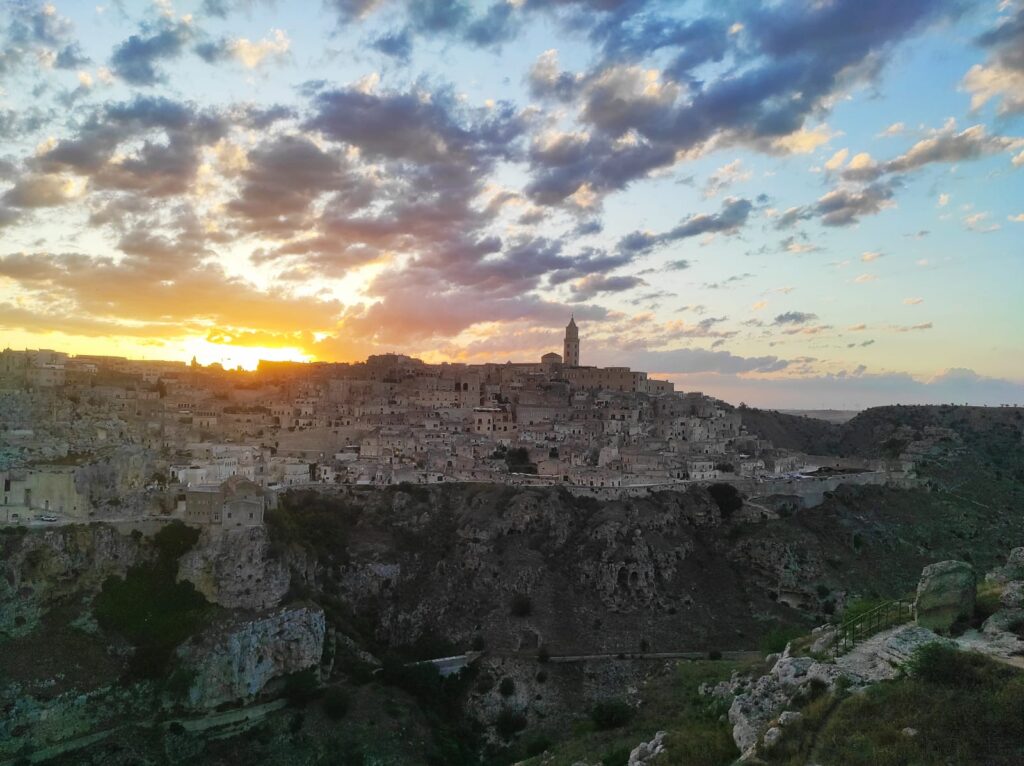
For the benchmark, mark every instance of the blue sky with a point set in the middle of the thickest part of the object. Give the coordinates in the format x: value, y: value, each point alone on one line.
x: 796, y: 204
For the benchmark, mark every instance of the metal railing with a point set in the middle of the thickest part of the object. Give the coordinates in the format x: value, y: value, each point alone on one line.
x: 868, y: 624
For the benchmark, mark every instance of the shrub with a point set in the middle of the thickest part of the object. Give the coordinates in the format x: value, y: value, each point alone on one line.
x: 478, y: 644
x: 509, y: 723
x: 151, y: 611
x: 944, y: 666
x: 521, y: 605
x: 617, y: 757
x: 775, y: 640
x: 714, y: 654
x: 538, y: 745
x: 336, y: 703
x: 301, y: 687
x: 542, y: 676
x: 611, y: 714
x: 507, y: 687
x: 726, y: 497
x: 543, y: 655
x: 174, y: 540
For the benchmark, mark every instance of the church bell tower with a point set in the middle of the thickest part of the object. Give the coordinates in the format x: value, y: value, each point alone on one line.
x: 571, y: 357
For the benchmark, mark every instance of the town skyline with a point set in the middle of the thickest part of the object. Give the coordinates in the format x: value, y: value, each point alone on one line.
x: 233, y: 181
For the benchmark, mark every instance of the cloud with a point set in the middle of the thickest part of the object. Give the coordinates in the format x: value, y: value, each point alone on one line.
x: 732, y: 216
x: 251, y: 55
x: 913, y: 301
x: 689, y: 360
x: 282, y: 179
x: 590, y: 286
x: 947, y: 145
x: 160, y: 282
x: 849, y: 391
x: 870, y: 255
x: 792, y: 244
x: 636, y: 120
x: 136, y: 59
x: 396, y: 125
x: 836, y: 160
x: 397, y: 44
x: 726, y: 176
x: 1001, y: 77
x: 46, y: 190
x: 981, y: 222
x: 842, y: 206
x: 865, y: 278
x: 794, y: 317
x: 896, y: 129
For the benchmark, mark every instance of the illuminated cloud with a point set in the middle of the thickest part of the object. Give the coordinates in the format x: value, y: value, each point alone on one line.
x: 453, y: 179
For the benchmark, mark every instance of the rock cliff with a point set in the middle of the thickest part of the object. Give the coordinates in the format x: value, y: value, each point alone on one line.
x: 235, y: 660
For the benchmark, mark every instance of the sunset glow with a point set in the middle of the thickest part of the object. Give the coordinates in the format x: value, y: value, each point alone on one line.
x: 235, y: 181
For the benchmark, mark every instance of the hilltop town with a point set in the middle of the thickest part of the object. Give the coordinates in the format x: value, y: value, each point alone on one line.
x: 87, y: 437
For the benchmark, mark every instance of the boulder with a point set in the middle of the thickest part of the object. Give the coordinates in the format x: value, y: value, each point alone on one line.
x: 789, y: 718
x: 945, y: 594
x: 646, y: 752
x: 1012, y: 596
x: 772, y: 737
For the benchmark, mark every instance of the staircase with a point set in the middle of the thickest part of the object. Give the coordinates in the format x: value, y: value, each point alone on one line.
x: 863, y: 626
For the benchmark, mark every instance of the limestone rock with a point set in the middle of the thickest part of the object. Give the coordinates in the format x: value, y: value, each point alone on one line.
x: 789, y: 718
x: 46, y: 566
x: 233, y: 568
x: 645, y: 752
x: 235, y: 661
x: 1012, y: 570
x: 1013, y: 595
x: 945, y: 594
x: 824, y: 638
x: 772, y: 736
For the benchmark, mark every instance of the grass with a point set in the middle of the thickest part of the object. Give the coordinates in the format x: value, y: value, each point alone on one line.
x: 986, y: 602
x: 964, y: 707
x: 697, y: 734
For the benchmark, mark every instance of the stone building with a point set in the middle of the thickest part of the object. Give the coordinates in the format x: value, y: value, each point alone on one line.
x: 571, y: 355
x: 235, y: 502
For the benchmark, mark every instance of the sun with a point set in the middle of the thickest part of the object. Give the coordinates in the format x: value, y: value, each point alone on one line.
x: 246, y: 357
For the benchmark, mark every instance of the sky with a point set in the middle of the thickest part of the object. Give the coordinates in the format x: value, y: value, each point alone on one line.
x: 796, y: 204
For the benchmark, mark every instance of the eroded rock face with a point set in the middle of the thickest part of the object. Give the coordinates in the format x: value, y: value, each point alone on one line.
x: 945, y: 594
x: 233, y: 662
x: 233, y: 568
x: 40, y: 568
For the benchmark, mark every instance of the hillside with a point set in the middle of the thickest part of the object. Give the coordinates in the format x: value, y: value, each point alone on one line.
x: 324, y: 607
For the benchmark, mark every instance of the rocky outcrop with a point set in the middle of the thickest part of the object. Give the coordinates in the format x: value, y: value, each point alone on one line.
x: 646, y: 752
x: 40, y: 568
x: 757, y: 703
x: 945, y: 594
x: 1013, y: 570
x: 234, y: 661
x: 233, y: 568
x: 758, y: 712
